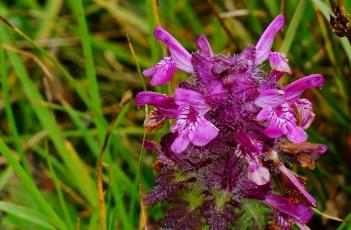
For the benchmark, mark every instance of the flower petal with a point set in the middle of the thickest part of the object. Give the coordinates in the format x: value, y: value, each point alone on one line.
x: 203, y: 44
x: 166, y: 105
x: 202, y: 67
x: 294, y: 90
x: 180, y: 144
x: 279, y: 62
x: 293, y: 180
x: 192, y: 127
x: 181, y: 56
x: 205, y: 132
x: 299, y: 212
x: 257, y: 173
x: 304, y: 147
x: 282, y: 121
x: 296, y: 134
x: 162, y: 72
x: 264, y: 45
x: 269, y: 98
x: 187, y: 97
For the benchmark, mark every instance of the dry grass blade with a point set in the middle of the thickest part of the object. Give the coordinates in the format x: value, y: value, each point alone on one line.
x: 220, y: 20
x: 32, y: 56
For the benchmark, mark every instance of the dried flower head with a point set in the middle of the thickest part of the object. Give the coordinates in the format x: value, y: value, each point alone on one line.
x: 341, y: 23
x: 235, y: 127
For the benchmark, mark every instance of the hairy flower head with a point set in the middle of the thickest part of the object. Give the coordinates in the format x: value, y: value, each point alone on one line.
x: 232, y: 118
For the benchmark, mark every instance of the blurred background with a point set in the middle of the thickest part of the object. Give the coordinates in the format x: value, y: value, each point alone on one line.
x: 71, y: 155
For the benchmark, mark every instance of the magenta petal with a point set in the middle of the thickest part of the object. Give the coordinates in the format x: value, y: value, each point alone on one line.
x: 152, y: 98
x: 192, y: 127
x: 181, y: 56
x: 165, y: 104
x: 296, y: 88
x: 281, y: 120
x: 269, y: 98
x: 205, y: 132
x: 292, y: 178
x: 149, y: 72
x: 299, y: 212
x: 264, y: 45
x: 274, y: 130
x: 180, y: 144
x: 296, y: 134
x: 203, y: 44
x: 264, y: 114
x: 279, y: 62
x: 162, y: 72
x: 187, y: 97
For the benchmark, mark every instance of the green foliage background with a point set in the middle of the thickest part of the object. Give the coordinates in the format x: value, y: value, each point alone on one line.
x: 69, y: 70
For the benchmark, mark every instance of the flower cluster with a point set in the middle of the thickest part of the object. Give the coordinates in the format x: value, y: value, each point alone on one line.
x: 235, y: 130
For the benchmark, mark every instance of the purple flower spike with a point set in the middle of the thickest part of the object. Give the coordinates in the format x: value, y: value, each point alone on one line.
x: 180, y: 56
x: 162, y: 72
x: 232, y: 120
x: 279, y: 62
x: 264, y: 45
x: 298, y: 212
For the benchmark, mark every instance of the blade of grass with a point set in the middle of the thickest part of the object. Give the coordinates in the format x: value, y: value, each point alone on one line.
x: 118, y: 198
x: 75, y: 85
x: 118, y: 120
x: 78, y: 10
x: 5, y: 177
x: 292, y: 29
x: 52, y: 9
x: 85, y: 132
x: 58, y: 189
x: 272, y: 7
x: 8, y: 109
x: 45, y: 116
x: 136, y: 63
x: 32, y: 189
x: 124, y: 15
x: 26, y: 214
x: 123, y: 54
x: 153, y: 21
